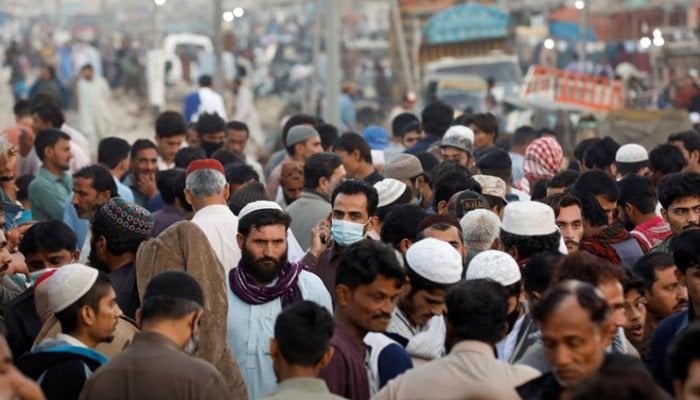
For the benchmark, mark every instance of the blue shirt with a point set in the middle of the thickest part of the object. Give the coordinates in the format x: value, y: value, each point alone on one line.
x: 48, y: 194
x: 347, y: 112
x: 250, y: 328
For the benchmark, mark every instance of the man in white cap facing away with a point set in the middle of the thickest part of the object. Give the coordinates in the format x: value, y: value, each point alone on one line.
x: 502, y: 268
x: 432, y: 267
x: 85, y: 304
x: 458, y: 145
x: 262, y: 284
x: 528, y: 227
x: 632, y: 158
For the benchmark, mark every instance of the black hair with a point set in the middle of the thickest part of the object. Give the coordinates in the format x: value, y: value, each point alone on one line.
x: 260, y: 218
x: 620, y: 378
x: 171, y: 295
x: 419, y: 283
x: 141, y: 144
x: 402, y: 223
x: 405, y: 198
x: 666, y: 159
x: 205, y: 80
x: 363, y: 262
x: 112, y: 150
x: 452, y: 182
x: 23, y: 183
x: 49, y: 112
x: 477, y: 310
x: 294, y: 120
x: 437, y: 118
x: 591, y: 210
x: 648, y: 264
x: 686, y: 253
x: 601, y: 153
x: 118, y: 242
x: 401, y: 122
x: 239, y: 173
x: 565, y: 179
x: 249, y: 193
x: 166, y: 181
x: 690, y: 139
x: 352, y: 141
x: 538, y: 191
x: 684, y: 351
x: 238, y: 126
x: 328, y: 133
x: 169, y: 124
x: 561, y: 200
x: 597, y: 183
x: 68, y: 317
x: 48, y: 138
x: 428, y: 162
x: 321, y: 165
x: 537, y: 272
x: 633, y: 281
x: 530, y: 245
x: 631, y: 168
x: 303, y: 333
x: 51, y: 236
x: 524, y: 135
x: 186, y: 155
x: 225, y: 157
x: 210, y: 123
x: 102, y: 179
x: 485, y: 122
x: 586, y: 294
x: 496, y: 162
x: 585, y: 267
x: 677, y: 186
x: 354, y: 186
x: 639, y: 192
x: 580, y: 150
x: 22, y: 108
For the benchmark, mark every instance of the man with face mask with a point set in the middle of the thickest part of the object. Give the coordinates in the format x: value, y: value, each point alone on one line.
x: 354, y: 204
x: 211, y: 130
x: 261, y: 285
x: 160, y: 355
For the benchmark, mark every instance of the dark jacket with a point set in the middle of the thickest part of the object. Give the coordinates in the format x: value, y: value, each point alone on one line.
x: 22, y: 322
x: 60, y: 368
x: 661, y: 341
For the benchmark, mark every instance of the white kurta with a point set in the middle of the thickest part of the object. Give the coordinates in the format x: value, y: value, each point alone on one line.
x: 220, y: 226
x: 93, y: 111
x: 247, y: 112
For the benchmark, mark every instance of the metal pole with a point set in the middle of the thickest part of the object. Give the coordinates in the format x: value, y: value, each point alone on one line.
x: 331, y: 110
x: 310, y: 108
x: 216, y: 41
x: 584, y: 36
x: 401, y: 39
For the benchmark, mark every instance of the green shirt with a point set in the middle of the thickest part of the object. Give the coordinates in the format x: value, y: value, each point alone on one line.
x: 302, y: 389
x: 48, y: 194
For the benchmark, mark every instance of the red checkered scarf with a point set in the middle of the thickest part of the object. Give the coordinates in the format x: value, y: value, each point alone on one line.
x: 543, y: 159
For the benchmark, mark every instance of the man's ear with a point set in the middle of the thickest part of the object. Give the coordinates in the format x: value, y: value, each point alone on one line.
x: 513, y: 251
x: 274, y: 349
x: 344, y: 294
x: 76, y: 255
x: 88, y: 315
x: 404, y: 245
x: 327, y: 356
x: 356, y: 155
x: 372, y: 223
x: 442, y: 207
x: 607, y: 331
x: 227, y: 191
x: 240, y: 239
x: 189, y: 197
x: 406, y: 287
x: 664, y: 214
x: 138, y: 317
x: 103, y: 197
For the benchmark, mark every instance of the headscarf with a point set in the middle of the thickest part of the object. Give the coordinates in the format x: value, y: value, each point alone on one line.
x: 543, y: 159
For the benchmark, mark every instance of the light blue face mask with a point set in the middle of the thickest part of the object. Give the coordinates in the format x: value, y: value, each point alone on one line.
x: 346, y: 233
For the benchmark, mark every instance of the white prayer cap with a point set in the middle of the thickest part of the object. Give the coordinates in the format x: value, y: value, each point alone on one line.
x: 694, y: 118
x: 68, y: 285
x: 528, y: 218
x: 257, y: 206
x: 495, y: 265
x: 435, y: 260
x: 631, y: 153
x: 459, y: 137
x: 389, y: 190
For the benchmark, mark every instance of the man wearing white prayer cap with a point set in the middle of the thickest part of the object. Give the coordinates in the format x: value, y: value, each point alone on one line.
x: 632, y: 158
x: 528, y: 228
x: 502, y: 268
x: 432, y: 266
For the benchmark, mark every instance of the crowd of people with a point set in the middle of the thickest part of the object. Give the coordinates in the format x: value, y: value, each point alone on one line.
x: 432, y: 263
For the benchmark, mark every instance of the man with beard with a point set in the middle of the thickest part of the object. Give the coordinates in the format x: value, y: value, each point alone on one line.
x: 118, y: 228
x: 160, y: 355
x: 665, y: 293
x: 679, y: 195
x: 49, y: 190
x: 92, y: 187
x: 85, y: 304
x: 637, y: 208
x: 144, y: 165
x: 567, y: 215
x: 368, y: 286
x: 261, y: 285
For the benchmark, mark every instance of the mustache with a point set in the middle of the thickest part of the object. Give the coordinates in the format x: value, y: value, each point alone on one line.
x: 381, y: 315
x: 691, y: 226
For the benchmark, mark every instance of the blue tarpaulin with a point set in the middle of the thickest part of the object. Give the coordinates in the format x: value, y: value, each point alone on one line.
x: 465, y: 23
x: 569, y: 31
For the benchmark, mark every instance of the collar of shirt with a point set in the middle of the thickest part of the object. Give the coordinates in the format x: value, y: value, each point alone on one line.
x: 308, y: 385
x: 150, y: 339
x: 214, y: 209
x: 313, y: 195
x: 45, y: 173
x: 70, y: 340
x: 473, y: 346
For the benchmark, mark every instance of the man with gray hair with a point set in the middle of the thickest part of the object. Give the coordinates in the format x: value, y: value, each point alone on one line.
x: 480, y: 230
x: 207, y: 191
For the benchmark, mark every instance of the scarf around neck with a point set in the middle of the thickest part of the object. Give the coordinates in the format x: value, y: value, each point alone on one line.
x: 285, y: 287
x: 599, y: 244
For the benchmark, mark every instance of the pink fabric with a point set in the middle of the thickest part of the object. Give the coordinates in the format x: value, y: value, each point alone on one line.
x: 544, y: 158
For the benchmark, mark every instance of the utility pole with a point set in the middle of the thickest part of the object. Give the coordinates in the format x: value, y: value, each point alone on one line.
x: 585, y: 10
x: 401, y: 41
x: 331, y: 111
x: 310, y: 107
x: 216, y: 41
